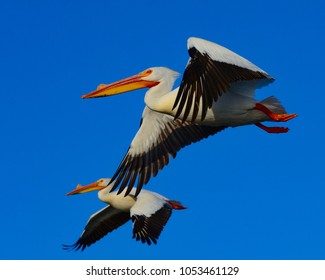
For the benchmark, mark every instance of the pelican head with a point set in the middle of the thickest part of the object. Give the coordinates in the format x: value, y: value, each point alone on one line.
x: 148, y: 78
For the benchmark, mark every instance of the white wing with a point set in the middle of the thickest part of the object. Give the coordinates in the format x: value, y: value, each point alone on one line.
x: 149, y: 215
x: 99, y: 224
x: 210, y: 72
x: 158, y: 138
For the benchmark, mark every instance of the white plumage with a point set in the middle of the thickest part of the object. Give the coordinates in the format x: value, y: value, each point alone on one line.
x: 149, y: 212
x: 222, y: 54
x: 217, y: 91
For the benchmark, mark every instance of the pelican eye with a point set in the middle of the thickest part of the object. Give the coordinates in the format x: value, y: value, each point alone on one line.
x: 147, y: 72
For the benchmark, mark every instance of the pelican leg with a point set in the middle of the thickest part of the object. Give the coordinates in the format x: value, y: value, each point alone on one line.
x: 273, y: 116
x: 273, y: 129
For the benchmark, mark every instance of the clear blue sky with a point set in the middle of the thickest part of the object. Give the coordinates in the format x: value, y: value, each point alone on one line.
x: 250, y: 195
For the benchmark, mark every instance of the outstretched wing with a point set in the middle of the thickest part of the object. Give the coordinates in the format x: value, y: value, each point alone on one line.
x: 210, y: 72
x: 98, y: 225
x: 149, y: 216
x: 159, y: 137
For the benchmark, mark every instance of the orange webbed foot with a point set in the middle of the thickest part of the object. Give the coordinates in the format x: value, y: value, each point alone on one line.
x: 273, y: 116
x: 273, y: 129
x: 283, y: 117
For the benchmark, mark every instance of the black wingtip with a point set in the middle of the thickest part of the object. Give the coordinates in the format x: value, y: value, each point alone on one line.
x: 74, y: 247
x: 138, y: 190
x: 145, y: 239
x: 114, y: 184
x: 121, y: 189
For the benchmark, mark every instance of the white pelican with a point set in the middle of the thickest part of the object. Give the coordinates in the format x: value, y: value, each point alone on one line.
x: 217, y: 91
x: 149, y: 212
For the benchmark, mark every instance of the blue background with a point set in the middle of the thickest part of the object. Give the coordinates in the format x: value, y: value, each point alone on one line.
x: 250, y: 194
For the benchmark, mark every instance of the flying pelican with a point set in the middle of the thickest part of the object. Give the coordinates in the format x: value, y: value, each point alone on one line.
x: 217, y: 91
x: 149, y: 212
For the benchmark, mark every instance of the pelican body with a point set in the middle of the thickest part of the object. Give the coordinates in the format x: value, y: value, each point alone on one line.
x: 217, y: 91
x: 149, y: 213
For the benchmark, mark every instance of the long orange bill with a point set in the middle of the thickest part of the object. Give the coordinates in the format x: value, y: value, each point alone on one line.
x: 125, y: 85
x: 88, y: 188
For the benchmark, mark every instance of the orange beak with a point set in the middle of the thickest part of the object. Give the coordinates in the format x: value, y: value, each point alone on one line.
x: 125, y: 85
x: 88, y: 188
